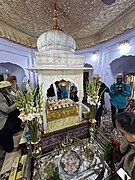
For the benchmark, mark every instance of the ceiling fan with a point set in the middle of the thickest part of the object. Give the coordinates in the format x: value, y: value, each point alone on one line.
x: 108, y: 2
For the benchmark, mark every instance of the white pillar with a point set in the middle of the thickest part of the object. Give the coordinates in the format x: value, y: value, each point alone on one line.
x: 55, y: 91
x: 44, y: 117
x: 80, y: 109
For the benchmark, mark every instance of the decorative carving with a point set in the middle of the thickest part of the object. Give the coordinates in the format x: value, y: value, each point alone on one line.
x: 60, y: 59
x: 37, y: 15
x: 56, y: 39
x: 51, y: 60
x: 50, y: 140
x: 48, y: 77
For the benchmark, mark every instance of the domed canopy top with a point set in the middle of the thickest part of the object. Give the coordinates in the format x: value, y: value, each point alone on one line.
x: 56, y: 40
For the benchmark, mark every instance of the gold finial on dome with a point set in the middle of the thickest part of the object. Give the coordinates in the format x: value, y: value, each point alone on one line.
x: 56, y: 19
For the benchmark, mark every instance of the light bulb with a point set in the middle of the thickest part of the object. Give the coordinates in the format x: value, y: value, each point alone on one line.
x: 94, y: 56
x: 124, y: 47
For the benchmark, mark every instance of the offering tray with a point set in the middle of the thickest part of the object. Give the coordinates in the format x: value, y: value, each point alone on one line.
x: 78, y: 160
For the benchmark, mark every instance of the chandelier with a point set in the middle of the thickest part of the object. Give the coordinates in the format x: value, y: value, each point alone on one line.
x: 108, y: 2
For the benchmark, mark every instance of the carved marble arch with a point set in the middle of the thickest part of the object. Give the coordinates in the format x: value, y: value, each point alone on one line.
x: 67, y: 84
x: 47, y: 80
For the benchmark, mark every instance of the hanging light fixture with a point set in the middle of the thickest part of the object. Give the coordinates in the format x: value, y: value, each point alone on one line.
x: 94, y: 56
x: 108, y: 2
x: 124, y: 47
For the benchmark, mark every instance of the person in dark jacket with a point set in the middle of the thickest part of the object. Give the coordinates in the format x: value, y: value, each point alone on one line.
x: 102, y: 90
x: 6, y: 126
x: 50, y: 93
x: 14, y: 114
x: 73, y: 93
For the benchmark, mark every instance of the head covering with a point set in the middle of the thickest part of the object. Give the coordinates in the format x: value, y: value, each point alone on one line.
x: 11, y: 78
x: 119, y: 76
x: 4, y: 84
x: 96, y: 76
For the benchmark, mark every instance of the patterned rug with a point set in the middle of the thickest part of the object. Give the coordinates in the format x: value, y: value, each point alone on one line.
x: 107, y: 127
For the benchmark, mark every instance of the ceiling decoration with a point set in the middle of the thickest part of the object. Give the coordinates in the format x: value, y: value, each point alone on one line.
x: 24, y: 21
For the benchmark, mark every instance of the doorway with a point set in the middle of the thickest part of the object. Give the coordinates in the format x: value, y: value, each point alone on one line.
x: 130, y: 78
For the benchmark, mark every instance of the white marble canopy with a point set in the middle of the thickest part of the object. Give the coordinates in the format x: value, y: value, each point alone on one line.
x: 56, y: 60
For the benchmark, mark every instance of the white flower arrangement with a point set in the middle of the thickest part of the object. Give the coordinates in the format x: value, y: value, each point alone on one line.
x: 93, y: 98
x: 30, y: 106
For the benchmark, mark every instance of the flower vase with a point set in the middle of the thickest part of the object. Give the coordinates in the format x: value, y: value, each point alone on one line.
x: 34, y: 131
x: 36, y: 149
x: 92, y: 130
x: 35, y: 139
x: 93, y: 110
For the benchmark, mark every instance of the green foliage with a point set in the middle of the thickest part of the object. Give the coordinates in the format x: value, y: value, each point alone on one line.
x: 92, y: 87
x: 53, y: 175
x: 56, y: 174
x: 25, y: 101
x: 108, y: 150
x: 112, y: 151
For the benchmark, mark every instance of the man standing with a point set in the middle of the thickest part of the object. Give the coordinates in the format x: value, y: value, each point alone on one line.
x: 119, y: 91
x: 102, y: 90
x: 14, y: 114
x: 6, y: 126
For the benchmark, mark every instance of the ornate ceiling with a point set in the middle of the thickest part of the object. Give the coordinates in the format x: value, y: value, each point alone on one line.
x: 87, y: 21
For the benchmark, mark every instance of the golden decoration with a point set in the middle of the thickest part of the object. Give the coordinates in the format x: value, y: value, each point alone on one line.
x: 88, y: 152
x: 93, y: 121
x: 56, y: 19
x: 66, y: 144
x: 62, y: 113
x: 63, y: 83
x: 62, y: 123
